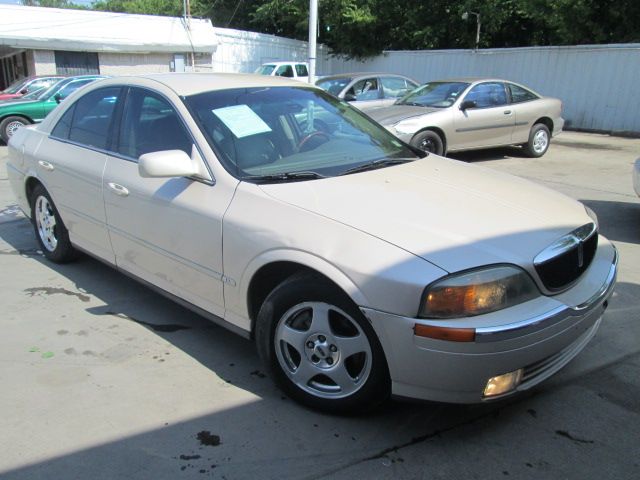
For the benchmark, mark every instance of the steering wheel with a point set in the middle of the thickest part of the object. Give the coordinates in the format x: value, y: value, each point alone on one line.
x: 305, y: 140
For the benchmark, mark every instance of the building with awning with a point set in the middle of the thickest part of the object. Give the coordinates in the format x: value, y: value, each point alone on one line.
x: 44, y: 41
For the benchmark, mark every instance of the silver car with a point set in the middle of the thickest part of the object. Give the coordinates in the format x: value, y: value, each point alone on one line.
x: 469, y: 114
x: 368, y: 90
x: 360, y: 268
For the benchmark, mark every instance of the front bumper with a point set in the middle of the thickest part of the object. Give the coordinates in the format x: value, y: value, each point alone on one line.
x: 539, y: 336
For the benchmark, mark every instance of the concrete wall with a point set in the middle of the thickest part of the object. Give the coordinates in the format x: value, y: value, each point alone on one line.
x: 131, y: 64
x: 597, y: 83
x: 242, y: 52
x: 44, y: 62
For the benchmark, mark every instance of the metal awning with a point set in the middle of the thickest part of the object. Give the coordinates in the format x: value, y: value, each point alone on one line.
x: 84, y: 30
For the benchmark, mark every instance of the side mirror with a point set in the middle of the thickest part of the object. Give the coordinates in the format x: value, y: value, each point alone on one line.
x: 58, y: 98
x: 350, y: 97
x: 166, y: 164
x: 24, y: 91
x: 467, y: 104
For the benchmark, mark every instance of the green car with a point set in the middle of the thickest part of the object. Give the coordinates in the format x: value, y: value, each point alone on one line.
x: 32, y: 108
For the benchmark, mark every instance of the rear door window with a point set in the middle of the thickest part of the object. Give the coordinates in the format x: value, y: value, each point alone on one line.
x: 301, y: 70
x: 519, y: 94
x: 92, y: 117
x: 394, y: 87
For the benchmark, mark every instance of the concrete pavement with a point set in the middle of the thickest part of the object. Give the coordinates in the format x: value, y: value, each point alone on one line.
x: 102, y: 378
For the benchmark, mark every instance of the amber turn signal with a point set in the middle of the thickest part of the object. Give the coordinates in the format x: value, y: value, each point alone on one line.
x: 444, y: 333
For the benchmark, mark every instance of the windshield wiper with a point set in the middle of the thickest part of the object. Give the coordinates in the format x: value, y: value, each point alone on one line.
x: 284, y: 177
x: 385, y: 162
x: 413, y: 104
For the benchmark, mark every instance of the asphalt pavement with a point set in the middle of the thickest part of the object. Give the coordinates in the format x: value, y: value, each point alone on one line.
x: 102, y: 378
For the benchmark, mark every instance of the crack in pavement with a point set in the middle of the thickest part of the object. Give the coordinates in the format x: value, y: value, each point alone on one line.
x: 517, y: 399
x: 413, y: 441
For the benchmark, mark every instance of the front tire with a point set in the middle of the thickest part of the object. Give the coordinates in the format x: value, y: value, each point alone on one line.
x: 428, y: 141
x: 319, y: 348
x: 51, y: 234
x: 539, y: 140
x: 10, y: 125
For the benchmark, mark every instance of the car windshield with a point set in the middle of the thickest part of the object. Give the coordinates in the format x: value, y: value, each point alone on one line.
x: 434, y: 94
x: 265, y: 69
x: 47, y: 93
x: 16, y: 86
x: 333, y: 85
x: 285, y: 132
x: 35, y: 95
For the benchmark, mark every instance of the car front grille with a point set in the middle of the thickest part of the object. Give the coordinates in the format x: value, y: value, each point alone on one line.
x: 566, y: 260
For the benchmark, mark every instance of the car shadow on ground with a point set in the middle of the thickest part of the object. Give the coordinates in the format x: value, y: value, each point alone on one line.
x: 174, y: 448
x: 500, y: 153
x: 619, y: 221
x: 232, y: 357
x: 267, y: 434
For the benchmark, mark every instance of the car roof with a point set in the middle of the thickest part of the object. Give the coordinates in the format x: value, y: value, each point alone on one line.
x: 186, y: 84
x: 470, y: 80
x: 364, y: 74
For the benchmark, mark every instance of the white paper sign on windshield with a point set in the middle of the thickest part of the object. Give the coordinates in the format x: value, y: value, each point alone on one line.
x: 241, y: 120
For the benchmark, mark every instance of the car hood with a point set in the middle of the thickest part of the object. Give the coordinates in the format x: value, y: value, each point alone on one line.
x: 452, y: 214
x: 396, y: 113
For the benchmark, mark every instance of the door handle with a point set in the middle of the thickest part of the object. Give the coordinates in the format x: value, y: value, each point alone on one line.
x: 46, y: 165
x: 118, y: 189
x: 507, y: 112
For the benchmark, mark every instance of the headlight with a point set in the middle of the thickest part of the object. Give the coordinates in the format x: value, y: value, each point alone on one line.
x: 476, y: 292
x: 405, y: 128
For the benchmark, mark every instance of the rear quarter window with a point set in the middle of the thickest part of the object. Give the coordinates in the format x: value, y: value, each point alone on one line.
x: 519, y: 94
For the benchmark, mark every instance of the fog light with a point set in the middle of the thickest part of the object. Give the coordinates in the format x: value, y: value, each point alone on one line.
x: 503, y: 383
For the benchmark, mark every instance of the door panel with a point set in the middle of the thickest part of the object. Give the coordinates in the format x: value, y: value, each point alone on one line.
x: 75, y: 185
x: 168, y: 231
x: 490, y: 123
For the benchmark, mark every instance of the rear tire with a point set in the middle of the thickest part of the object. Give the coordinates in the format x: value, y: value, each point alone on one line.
x: 539, y: 140
x: 10, y: 125
x: 320, y: 349
x: 51, y: 234
x: 428, y: 141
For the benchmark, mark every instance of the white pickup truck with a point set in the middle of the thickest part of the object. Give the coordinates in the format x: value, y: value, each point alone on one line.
x: 295, y: 70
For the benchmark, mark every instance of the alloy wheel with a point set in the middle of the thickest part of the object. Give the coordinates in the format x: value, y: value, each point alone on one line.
x: 323, y: 350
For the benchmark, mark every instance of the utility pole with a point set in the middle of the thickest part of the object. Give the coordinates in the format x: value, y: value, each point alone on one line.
x: 465, y: 16
x: 186, y: 5
x: 313, y: 33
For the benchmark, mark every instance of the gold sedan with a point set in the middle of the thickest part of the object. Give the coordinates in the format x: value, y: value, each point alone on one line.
x: 469, y: 114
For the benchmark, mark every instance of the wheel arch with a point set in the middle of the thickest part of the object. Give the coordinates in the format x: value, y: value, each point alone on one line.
x: 267, y: 272
x: 21, y: 115
x: 30, y: 183
x: 440, y: 133
x: 546, y: 121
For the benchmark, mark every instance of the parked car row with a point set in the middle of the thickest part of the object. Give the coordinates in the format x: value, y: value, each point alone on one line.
x: 28, y: 85
x: 361, y: 266
x: 453, y: 115
x: 33, y: 107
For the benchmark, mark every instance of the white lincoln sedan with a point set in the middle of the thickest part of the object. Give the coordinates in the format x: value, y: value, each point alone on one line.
x: 361, y: 266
